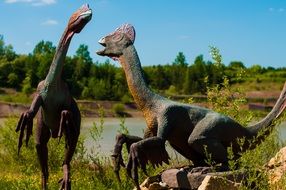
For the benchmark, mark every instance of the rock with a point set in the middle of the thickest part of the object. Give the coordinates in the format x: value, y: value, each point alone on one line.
x: 176, y: 178
x: 277, y: 166
x: 153, y: 183
x: 218, y: 183
x: 157, y: 186
x: 192, y: 179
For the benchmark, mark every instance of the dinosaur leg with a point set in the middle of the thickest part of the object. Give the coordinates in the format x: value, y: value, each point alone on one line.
x: 117, y: 153
x: 151, y: 149
x: 42, y: 138
x: 211, y: 149
x: 70, y: 123
x: 205, y: 143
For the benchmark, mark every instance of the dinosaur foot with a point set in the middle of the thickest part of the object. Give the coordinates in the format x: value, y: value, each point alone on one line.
x: 208, y: 169
x: 65, y: 181
x: 202, y: 170
x: 44, y: 183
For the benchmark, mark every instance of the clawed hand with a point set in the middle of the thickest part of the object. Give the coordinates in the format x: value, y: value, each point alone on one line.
x: 25, y: 122
x: 117, y: 162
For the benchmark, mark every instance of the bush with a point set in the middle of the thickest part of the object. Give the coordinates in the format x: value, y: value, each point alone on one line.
x: 118, y: 108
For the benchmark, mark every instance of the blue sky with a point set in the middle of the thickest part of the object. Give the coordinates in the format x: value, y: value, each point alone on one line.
x: 251, y: 31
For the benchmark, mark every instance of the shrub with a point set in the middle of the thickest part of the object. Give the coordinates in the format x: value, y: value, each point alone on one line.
x: 118, y: 109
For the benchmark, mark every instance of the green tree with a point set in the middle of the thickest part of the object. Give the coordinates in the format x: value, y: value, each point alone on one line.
x: 13, y: 79
x: 197, y: 75
x: 178, y: 71
x: 6, y: 51
x: 236, y: 65
x: 83, y: 62
x: 44, y: 48
x: 27, y: 88
x: 43, y: 52
x: 180, y: 60
x: 255, y: 69
x: 1, y: 45
x: 187, y: 87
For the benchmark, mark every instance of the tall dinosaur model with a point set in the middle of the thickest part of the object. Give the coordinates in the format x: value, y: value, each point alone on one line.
x: 59, y: 113
x: 188, y: 128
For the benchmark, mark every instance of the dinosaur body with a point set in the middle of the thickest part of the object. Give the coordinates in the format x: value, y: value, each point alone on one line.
x: 59, y: 113
x: 188, y: 129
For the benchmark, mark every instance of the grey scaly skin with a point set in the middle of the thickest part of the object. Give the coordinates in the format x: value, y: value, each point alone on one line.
x: 59, y: 113
x: 188, y: 128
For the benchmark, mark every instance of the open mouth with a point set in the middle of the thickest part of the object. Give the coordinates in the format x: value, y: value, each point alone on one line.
x: 101, y: 42
x: 105, y: 52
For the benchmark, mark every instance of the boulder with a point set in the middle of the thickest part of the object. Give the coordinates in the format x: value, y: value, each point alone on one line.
x: 153, y: 183
x: 186, y: 178
x: 218, y: 183
x: 181, y: 178
x: 276, y: 167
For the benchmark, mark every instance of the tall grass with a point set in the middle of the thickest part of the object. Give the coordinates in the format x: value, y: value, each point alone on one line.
x: 89, y: 169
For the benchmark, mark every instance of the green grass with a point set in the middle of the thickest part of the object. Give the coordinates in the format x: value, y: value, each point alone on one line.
x: 12, y: 96
x: 89, y: 170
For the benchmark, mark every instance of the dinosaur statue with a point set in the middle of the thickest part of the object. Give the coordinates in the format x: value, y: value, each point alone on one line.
x: 188, y: 128
x: 59, y: 113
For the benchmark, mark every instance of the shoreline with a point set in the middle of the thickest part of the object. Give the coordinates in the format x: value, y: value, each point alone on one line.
x: 88, y: 109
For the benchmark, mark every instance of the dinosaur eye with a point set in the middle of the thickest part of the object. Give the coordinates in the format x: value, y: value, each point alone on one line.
x: 117, y: 36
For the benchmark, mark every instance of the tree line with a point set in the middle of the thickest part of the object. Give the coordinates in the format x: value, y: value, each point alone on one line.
x: 104, y: 81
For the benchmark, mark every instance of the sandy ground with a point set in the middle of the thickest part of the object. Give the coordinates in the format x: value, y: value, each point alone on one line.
x: 91, y: 108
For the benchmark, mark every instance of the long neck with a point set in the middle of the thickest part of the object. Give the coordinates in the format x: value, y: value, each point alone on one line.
x: 130, y: 62
x: 56, y: 67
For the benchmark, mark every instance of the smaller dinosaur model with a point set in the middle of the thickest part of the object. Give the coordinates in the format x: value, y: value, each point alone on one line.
x: 190, y: 130
x: 59, y: 113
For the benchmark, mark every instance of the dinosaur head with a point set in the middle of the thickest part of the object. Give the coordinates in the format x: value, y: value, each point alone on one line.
x: 116, y: 42
x: 79, y: 19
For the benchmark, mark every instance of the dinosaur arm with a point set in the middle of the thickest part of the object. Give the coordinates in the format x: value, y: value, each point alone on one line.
x: 147, y: 150
x: 117, y: 159
x: 26, y: 121
x: 36, y: 104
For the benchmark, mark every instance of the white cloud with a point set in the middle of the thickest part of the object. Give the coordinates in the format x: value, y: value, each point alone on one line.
x: 50, y: 22
x: 32, y: 2
x: 280, y: 10
x: 43, y: 2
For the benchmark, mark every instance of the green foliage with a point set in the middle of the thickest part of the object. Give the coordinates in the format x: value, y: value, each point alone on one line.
x: 27, y: 89
x: 236, y: 65
x: 180, y: 60
x: 104, y: 81
x: 118, y: 109
x: 223, y: 99
x: 171, y: 90
x: 15, y: 98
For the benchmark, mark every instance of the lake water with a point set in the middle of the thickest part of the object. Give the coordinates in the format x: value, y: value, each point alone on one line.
x: 135, y: 127
x: 111, y: 127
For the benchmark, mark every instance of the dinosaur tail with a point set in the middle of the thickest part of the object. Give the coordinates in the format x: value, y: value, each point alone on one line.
x: 277, y: 110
